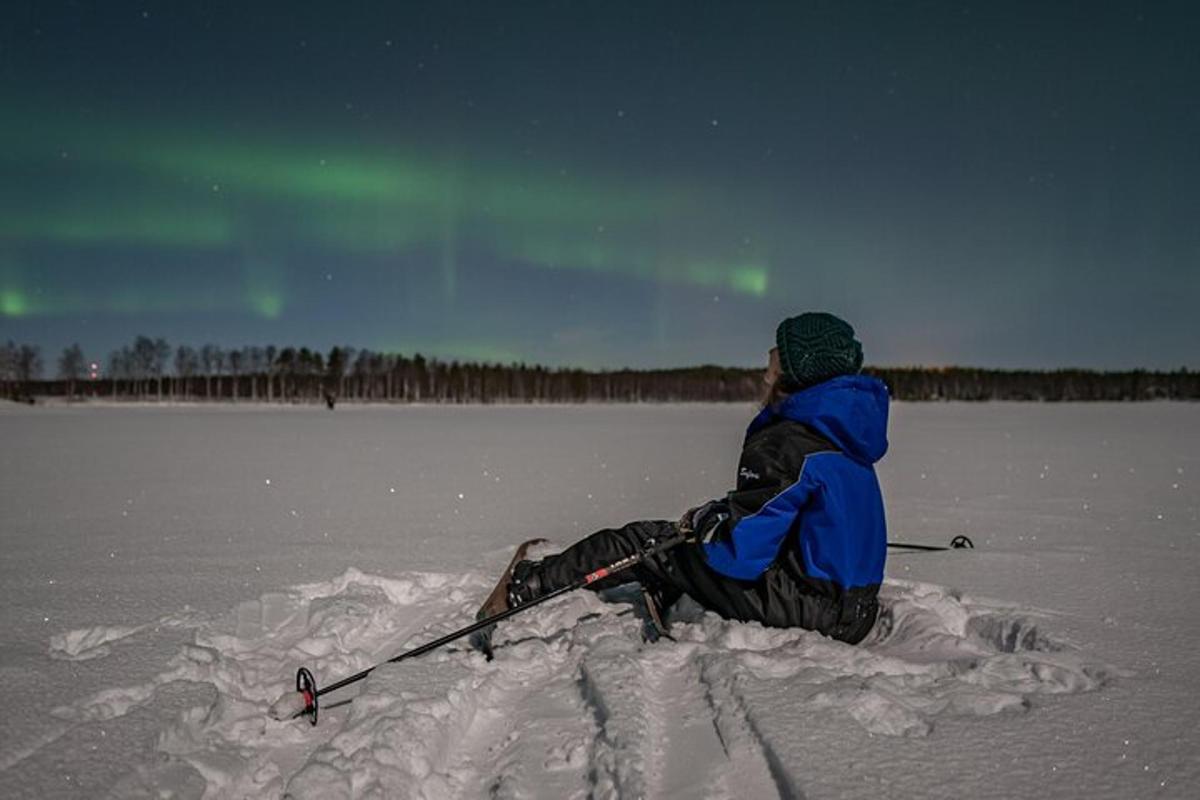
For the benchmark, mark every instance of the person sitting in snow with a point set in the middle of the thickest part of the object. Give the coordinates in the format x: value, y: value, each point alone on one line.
x: 802, y: 540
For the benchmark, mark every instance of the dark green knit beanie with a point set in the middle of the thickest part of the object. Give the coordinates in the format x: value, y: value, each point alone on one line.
x: 815, y: 347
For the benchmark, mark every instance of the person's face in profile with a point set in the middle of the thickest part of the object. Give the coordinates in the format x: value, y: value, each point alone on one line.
x: 773, y: 370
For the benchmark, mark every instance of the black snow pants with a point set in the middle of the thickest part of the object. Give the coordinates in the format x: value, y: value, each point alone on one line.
x: 782, y: 597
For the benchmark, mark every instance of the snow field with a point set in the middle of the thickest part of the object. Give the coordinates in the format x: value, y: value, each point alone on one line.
x: 575, y: 704
x: 158, y: 600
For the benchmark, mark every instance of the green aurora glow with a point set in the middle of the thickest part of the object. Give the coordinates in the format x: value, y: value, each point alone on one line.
x: 260, y: 294
x: 15, y: 303
x: 257, y: 196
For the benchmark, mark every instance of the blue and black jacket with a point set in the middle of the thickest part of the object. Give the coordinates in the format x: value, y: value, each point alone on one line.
x: 807, y: 502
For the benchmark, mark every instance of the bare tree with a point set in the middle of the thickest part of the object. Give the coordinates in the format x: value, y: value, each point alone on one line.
x: 29, y: 366
x: 254, y: 363
x: 362, y: 374
x: 120, y: 367
x: 287, y: 369
x: 378, y: 368
x: 144, y: 353
x: 335, y: 371
x: 71, y: 366
x: 159, y: 355
x: 420, y: 381
x: 8, y: 369
x: 236, y: 358
x: 186, y: 364
x: 209, y: 358
x: 269, y: 353
x: 220, y: 360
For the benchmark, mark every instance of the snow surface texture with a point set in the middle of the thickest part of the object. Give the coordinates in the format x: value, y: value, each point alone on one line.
x: 166, y: 570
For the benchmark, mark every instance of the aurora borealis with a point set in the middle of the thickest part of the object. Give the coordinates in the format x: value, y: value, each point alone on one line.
x: 605, y: 184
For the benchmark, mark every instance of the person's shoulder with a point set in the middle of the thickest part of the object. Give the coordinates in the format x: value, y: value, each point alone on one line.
x: 787, y: 443
x: 798, y: 437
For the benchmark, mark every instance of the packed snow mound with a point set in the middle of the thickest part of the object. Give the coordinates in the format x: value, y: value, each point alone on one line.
x: 575, y: 703
x: 86, y: 643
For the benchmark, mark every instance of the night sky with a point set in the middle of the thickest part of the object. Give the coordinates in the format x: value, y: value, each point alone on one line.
x: 605, y: 184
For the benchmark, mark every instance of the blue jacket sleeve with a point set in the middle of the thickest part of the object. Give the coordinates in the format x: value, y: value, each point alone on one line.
x: 751, y: 545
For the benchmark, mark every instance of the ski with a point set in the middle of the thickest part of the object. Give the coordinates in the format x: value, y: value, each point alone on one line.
x: 497, y: 601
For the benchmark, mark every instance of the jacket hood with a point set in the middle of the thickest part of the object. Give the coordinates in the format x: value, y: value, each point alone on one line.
x: 851, y: 411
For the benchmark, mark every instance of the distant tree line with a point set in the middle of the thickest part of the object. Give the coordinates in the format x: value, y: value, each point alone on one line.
x: 1062, y: 385
x: 149, y: 369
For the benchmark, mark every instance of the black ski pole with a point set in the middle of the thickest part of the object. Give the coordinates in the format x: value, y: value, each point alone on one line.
x: 957, y: 543
x: 305, y: 700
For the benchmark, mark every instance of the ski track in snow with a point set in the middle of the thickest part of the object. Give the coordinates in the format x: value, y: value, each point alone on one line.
x: 575, y: 704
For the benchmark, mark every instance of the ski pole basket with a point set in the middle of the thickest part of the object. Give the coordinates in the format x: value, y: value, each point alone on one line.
x: 306, y: 685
